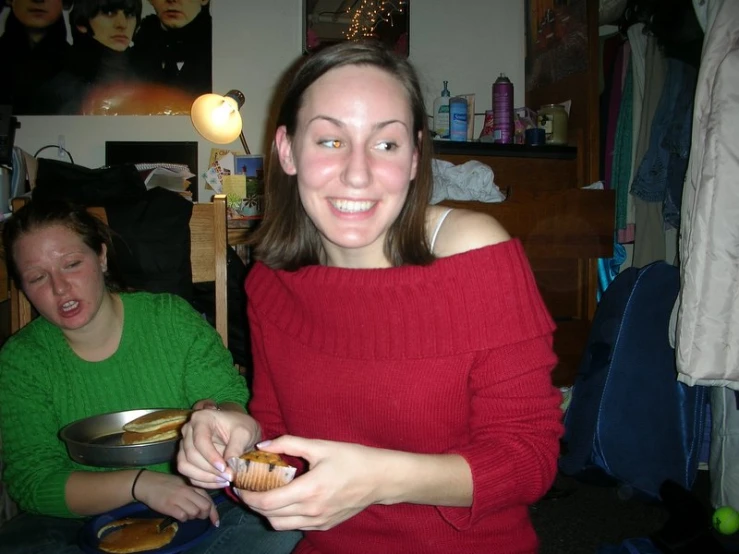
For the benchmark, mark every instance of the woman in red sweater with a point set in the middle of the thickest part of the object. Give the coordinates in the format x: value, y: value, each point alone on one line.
x: 401, y: 350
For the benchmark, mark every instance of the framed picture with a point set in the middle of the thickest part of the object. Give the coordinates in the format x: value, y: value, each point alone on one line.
x: 251, y: 170
x: 153, y: 152
x: 327, y: 22
x: 556, y: 40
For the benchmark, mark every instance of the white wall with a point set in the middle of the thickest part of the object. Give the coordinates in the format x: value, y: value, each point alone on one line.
x: 467, y: 42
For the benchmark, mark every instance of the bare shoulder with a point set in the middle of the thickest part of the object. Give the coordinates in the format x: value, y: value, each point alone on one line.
x: 465, y: 230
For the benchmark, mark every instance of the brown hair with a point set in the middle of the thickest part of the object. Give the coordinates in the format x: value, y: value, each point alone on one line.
x: 287, y: 238
x: 41, y: 214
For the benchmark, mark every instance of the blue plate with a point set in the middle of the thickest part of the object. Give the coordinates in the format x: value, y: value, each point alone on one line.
x: 189, y: 533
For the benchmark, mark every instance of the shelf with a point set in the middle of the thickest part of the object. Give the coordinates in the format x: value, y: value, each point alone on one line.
x: 551, y: 152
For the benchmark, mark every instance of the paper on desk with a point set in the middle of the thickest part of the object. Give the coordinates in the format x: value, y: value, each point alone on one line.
x: 170, y: 179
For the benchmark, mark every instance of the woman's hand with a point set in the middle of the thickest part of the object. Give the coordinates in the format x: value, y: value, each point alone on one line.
x: 343, y: 480
x: 205, y: 404
x: 172, y: 496
x: 209, y: 439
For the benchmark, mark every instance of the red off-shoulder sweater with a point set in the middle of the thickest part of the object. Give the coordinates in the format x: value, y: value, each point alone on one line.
x: 454, y: 357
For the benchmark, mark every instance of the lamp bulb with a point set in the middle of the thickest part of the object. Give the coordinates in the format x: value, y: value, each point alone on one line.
x: 221, y: 114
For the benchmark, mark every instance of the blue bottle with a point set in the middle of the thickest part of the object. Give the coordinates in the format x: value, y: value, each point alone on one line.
x: 458, y: 119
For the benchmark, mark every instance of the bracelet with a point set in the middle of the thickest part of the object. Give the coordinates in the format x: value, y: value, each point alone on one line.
x: 133, y: 485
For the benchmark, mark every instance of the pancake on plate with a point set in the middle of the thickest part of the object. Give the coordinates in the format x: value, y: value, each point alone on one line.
x: 156, y: 426
x: 135, y: 535
x: 157, y: 420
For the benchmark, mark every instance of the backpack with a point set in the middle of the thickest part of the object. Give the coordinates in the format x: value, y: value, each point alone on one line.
x: 630, y: 422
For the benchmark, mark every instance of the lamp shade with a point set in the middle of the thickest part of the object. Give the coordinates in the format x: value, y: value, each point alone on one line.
x: 217, y: 117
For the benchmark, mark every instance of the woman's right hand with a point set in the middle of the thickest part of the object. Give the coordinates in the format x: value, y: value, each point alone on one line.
x: 210, y: 438
x: 171, y: 495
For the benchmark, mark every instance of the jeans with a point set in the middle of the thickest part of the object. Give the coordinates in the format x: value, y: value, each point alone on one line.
x: 241, y: 531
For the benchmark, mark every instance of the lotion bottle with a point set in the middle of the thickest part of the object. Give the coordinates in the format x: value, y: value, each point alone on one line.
x: 458, y: 119
x: 441, y: 113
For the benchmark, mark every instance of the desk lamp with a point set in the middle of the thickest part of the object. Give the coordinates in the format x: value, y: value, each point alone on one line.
x: 217, y: 117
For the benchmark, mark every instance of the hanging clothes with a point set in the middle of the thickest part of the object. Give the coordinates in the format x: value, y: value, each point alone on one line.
x: 707, y: 348
x: 672, y: 115
x: 659, y: 178
x: 610, y: 105
x: 658, y: 31
x: 622, y: 157
x: 649, y: 237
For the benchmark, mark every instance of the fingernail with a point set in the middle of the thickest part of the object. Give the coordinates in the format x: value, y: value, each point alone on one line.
x: 218, y: 523
x: 223, y: 480
x: 220, y: 467
x: 264, y: 443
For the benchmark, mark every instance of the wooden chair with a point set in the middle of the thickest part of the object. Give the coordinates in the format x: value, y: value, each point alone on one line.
x: 208, y: 242
x: 208, y: 245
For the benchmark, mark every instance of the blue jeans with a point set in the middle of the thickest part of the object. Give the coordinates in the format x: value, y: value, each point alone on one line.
x: 244, y: 531
x: 241, y: 531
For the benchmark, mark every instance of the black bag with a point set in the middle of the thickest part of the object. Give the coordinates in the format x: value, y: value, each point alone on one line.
x: 57, y: 180
x: 152, y: 241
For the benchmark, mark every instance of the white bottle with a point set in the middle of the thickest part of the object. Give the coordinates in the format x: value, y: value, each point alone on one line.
x: 441, y: 114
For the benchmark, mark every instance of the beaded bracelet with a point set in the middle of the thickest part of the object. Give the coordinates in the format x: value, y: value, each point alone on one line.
x: 133, y: 485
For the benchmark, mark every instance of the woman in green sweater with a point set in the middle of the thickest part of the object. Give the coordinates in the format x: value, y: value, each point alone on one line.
x: 96, y: 349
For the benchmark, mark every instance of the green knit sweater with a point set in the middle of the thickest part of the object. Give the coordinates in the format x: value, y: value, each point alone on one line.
x: 169, y: 356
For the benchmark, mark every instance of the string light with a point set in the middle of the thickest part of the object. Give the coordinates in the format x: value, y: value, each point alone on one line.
x: 369, y: 14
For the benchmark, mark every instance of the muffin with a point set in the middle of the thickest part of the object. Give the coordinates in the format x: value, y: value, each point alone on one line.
x: 259, y: 471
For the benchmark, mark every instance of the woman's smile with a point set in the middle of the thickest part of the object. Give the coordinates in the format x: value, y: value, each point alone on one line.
x: 352, y: 206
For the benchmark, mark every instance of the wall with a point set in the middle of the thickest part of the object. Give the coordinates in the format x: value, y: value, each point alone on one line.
x: 468, y: 44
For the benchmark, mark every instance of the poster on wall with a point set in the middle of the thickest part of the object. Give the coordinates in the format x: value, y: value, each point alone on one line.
x: 556, y: 40
x: 105, y: 57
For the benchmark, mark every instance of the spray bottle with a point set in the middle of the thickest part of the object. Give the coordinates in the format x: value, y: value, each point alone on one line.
x: 503, y: 110
x: 441, y: 113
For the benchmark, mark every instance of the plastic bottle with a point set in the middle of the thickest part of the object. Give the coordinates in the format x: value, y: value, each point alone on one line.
x: 441, y: 113
x: 458, y: 119
x: 503, y: 110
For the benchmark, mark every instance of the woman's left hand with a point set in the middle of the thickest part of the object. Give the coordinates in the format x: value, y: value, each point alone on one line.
x: 209, y: 438
x: 205, y: 404
x: 343, y: 480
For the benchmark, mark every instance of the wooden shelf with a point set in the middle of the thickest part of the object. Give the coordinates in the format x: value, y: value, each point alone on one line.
x: 477, y: 148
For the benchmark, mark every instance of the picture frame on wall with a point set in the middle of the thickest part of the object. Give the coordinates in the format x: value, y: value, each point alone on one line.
x: 325, y: 22
x: 556, y: 40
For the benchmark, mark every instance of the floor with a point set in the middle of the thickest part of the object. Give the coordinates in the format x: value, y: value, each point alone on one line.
x: 577, y: 518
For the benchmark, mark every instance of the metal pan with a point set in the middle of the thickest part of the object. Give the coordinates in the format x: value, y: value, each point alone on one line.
x: 96, y: 441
